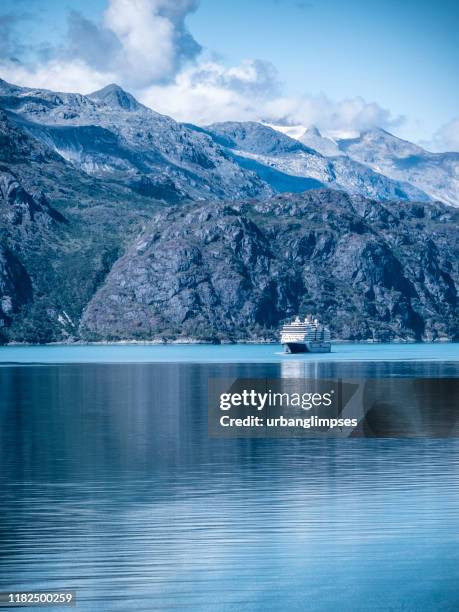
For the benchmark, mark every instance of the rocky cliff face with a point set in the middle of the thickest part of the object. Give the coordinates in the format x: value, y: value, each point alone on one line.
x: 220, y: 271
x: 26, y: 220
x: 111, y: 136
x: 15, y: 288
x: 60, y: 231
x: 19, y: 209
x: 258, y: 146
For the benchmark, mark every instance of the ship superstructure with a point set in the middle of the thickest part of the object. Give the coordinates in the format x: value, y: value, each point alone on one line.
x: 305, y: 336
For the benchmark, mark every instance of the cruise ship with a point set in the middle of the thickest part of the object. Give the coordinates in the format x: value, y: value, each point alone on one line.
x: 307, y: 336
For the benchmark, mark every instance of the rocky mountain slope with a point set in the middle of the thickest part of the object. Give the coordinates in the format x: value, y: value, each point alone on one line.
x: 314, y: 139
x: 436, y: 174
x: 118, y: 222
x: 257, y: 147
x: 231, y: 271
x: 111, y: 136
x: 15, y: 288
x: 60, y: 231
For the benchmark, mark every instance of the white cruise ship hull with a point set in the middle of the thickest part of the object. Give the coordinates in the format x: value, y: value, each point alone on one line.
x: 307, y: 347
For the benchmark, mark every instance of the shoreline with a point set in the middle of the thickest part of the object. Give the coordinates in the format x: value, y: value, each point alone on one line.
x: 191, y: 342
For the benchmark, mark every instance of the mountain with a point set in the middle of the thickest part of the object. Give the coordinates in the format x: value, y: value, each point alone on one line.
x: 109, y: 135
x: 60, y: 232
x: 118, y: 222
x: 218, y: 271
x: 313, y: 139
x: 257, y: 146
x: 15, y: 288
x: 115, y: 97
x: 437, y: 174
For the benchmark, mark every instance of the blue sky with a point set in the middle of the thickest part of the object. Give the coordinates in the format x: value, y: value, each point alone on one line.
x: 402, y: 56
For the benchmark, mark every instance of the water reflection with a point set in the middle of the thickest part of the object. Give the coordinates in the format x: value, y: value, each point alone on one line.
x: 110, y: 485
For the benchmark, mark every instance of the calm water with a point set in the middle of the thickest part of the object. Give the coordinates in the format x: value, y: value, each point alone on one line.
x: 232, y: 353
x: 110, y: 486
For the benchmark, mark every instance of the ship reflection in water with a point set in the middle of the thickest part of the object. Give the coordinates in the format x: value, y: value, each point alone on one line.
x: 111, y: 486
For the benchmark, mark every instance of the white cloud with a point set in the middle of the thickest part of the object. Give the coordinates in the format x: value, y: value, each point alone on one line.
x: 57, y: 75
x: 211, y: 92
x: 331, y: 117
x: 446, y: 138
x: 139, y: 42
x: 144, y: 46
x: 152, y: 36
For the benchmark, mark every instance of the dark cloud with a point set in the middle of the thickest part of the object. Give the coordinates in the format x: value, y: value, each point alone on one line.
x: 95, y: 45
x: 177, y: 11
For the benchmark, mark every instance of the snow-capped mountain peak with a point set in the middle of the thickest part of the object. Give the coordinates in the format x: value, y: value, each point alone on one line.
x: 323, y: 144
x: 259, y: 147
x: 381, y: 143
x: 437, y: 174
